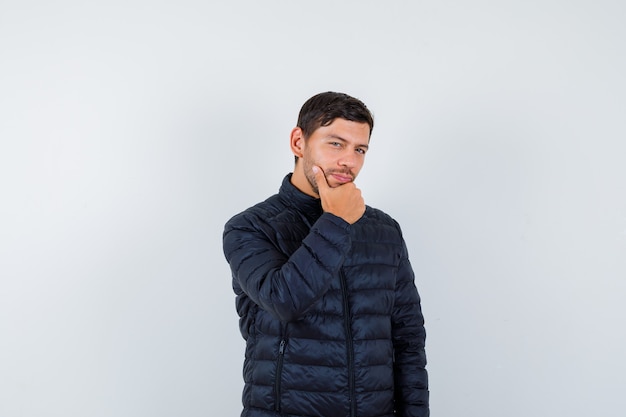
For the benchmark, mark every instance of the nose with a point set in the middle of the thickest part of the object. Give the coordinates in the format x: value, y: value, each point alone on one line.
x: 348, y: 159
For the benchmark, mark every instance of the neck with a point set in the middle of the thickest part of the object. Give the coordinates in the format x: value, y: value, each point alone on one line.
x: 300, y: 181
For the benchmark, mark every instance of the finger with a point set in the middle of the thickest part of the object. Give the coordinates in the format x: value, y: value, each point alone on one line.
x: 320, y: 178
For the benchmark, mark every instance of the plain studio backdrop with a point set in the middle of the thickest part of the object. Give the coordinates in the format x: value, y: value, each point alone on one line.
x: 131, y: 131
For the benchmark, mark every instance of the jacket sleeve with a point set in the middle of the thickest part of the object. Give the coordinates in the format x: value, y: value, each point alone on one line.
x: 285, y: 286
x: 409, y: 336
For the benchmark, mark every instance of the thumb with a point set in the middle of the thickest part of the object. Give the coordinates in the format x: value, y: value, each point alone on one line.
x: 320, y: 178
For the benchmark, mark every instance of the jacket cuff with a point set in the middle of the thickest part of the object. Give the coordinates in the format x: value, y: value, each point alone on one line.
x: 333, y: 229
x: 335, y: 220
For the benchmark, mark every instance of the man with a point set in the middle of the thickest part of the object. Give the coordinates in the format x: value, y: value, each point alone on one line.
x: 325, y: 292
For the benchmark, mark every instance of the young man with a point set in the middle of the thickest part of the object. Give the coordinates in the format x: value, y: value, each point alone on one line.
x: 325, y: 291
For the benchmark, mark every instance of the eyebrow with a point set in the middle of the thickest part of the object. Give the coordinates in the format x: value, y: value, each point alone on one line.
x: 331, y: 136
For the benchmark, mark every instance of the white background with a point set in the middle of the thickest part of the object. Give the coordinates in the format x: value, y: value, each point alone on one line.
x: 130, y: 131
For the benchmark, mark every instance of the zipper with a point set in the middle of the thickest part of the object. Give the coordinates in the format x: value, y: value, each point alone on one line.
x: 279, y: 371
x: 349, y: 343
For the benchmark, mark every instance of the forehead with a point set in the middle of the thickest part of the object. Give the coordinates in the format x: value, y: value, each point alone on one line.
x: 346, y: 130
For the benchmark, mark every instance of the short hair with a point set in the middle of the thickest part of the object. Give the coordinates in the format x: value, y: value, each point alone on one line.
x: 322, y: 109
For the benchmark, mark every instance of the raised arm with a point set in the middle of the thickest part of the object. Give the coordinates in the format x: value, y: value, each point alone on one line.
x: 286, y: 286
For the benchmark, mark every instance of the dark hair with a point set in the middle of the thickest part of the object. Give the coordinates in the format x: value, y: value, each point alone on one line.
x: 322, y: 109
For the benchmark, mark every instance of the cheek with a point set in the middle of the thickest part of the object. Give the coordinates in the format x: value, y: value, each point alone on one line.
x: 316, y: 158
x: 359, y: 163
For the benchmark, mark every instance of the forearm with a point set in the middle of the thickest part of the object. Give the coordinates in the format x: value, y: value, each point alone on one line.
x: 287, y: 286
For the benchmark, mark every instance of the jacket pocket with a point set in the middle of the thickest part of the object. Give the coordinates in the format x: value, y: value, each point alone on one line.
x: 279, y: 373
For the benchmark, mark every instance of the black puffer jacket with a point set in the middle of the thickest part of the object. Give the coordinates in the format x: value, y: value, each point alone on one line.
x: 329, y: 311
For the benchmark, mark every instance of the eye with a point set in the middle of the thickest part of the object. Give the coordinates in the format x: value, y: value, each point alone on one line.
x: 335, y: 144
x: 361, y: 151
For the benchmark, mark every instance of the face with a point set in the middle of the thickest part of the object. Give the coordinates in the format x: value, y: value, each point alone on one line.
x: 339, y: 149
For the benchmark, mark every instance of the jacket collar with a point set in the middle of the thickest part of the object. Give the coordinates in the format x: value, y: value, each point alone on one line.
x: 311, y: 207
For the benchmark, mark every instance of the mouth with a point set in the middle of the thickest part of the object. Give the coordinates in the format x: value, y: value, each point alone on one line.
x: 341, y: 177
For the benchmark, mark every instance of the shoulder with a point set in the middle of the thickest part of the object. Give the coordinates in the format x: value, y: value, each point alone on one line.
x: 378, y: 226
x: 377, y: 217
x: 377, y: 237
x: 259, y: 213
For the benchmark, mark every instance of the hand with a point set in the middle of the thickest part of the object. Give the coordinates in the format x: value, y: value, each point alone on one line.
x: 344, y: 201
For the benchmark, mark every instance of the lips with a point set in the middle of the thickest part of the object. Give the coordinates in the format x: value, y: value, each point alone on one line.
x: 341, y: 178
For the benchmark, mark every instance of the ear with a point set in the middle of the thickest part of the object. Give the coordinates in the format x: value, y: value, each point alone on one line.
x: 297, y: 142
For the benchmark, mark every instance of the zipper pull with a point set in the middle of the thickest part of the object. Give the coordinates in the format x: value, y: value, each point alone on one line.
x: 281, y: 348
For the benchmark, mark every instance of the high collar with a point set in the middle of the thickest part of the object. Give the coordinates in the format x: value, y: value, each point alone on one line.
x: 310, y: 206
